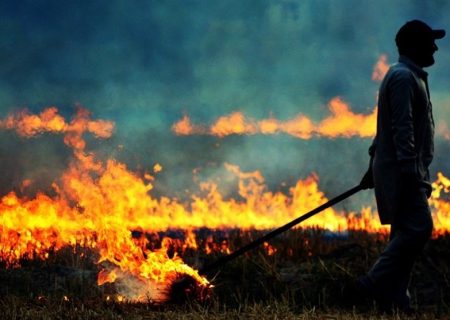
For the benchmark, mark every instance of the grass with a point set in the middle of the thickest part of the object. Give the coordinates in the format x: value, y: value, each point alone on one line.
x: 16, y: 308
x: 303, y: 279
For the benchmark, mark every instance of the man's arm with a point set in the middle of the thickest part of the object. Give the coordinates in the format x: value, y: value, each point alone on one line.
x: 367, y: 180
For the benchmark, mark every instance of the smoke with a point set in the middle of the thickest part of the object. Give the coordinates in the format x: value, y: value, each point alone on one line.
x: 132, y: 288
x: 144, y: 64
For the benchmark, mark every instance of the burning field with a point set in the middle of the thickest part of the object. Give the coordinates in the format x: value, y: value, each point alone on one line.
x: 103, y: 218
x: 141, y: 145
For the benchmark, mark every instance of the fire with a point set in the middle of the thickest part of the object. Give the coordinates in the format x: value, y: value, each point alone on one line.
x: 235, y: 123
x: 29, y: 125
x: 380, y: 69
x: 342, y: 122
x: 440, y: 200
x: 157, y: 168
x: 184, y: 127
x: 98, y: 204
x: 345, y: 123
x: 269, y: 249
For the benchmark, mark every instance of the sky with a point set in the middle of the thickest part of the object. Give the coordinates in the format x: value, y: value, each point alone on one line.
x: 145, y: 64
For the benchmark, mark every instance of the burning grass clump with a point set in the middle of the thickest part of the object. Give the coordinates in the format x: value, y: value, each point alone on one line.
x: 187, y: 289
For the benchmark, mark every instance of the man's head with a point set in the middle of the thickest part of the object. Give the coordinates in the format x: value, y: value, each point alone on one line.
x: 415, y: 39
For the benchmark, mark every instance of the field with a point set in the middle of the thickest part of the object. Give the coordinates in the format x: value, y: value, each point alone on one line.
x: 299, y: 275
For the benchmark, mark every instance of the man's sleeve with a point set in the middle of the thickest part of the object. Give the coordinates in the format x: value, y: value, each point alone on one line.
x: 401, y: 95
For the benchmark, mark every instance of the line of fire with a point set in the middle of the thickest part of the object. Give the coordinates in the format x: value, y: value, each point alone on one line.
x: 102, y: 211
x: 341, y: 123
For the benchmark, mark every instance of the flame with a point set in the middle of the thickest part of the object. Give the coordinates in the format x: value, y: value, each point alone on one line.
x: 440, y: 201
x: 342, y: 122
x: 345, y: 123
x: 381, y: 68
x: 157, y: 168
x: 108, y: 201
x: 97, y: 204
x: 29, y: 125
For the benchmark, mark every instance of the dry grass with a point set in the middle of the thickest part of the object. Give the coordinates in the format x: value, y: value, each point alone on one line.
x: 302, y: 280
x: 17, y: 308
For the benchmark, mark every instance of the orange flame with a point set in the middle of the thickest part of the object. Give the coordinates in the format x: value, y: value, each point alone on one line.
x: 341, y: 123
x: 345, y: 123
x: 184, y: 127
x: 269, y: 249
x: 235, y: 123
x: 109, y: 204
x: 28, y: 125
x: 440, y: 201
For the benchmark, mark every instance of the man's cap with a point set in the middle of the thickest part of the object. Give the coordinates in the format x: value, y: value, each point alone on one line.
x: 415, y: 31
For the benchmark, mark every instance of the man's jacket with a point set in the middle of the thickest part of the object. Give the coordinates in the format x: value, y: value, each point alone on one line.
x: 404, y: 140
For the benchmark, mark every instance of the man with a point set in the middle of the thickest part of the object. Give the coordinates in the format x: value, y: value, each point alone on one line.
x: 400, y: 155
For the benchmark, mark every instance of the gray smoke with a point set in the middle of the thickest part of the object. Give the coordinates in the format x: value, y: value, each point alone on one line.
x: 143, y: 64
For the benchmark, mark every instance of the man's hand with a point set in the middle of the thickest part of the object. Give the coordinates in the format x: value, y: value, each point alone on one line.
x: 367, y: 180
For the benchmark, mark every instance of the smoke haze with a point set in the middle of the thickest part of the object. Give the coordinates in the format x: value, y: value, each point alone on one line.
x: 144, y: 64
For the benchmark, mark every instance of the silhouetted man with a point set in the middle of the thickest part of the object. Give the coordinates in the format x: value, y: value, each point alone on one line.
x: 400, y: 155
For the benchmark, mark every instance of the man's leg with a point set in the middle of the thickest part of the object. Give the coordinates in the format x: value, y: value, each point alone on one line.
x: 389, y: 277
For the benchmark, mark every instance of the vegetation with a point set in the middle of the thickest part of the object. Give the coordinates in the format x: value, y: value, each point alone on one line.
x: 299, y: 276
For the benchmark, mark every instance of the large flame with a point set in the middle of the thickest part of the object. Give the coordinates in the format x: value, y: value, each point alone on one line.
x: 342, y: 122
x: 96, y: 205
